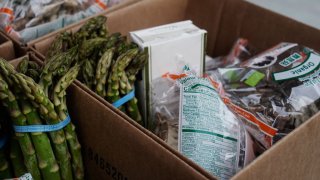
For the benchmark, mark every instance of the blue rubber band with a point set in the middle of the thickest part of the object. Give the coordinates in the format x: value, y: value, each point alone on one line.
x: 124, y: 99
x: 42, y: 128
x: 3, y: 141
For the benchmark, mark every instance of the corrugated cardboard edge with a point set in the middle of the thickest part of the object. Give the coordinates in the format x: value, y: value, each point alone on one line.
x: 72, y: 26
x: 6, y: 48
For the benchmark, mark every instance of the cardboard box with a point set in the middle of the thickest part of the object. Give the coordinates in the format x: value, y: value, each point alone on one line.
x: 114, y: 147
x: 6, y: 47
x: 137, y: 153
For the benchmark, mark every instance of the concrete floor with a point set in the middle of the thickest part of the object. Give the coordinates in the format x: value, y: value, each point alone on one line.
x: 307, y: 11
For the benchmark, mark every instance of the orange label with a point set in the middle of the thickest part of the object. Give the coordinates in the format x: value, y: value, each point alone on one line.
x: 8, y: 29
x: 265, y: 128
x: 174, y: 76
x: 6, y: 11
x: 101, y: 4
x: 268, y: 130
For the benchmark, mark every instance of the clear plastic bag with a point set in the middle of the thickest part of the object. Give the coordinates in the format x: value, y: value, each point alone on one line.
x: 200, y: 125
x: 241, y: 51
x: 280, y: 89
x: 29, y: 19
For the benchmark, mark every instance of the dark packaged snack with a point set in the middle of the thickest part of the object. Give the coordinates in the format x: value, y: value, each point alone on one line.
x: 276, y: 91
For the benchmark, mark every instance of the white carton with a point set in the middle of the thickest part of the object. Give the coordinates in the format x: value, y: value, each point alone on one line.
x: 169, y: 46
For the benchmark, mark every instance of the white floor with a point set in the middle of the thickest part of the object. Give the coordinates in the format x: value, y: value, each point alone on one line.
x: 306, y: 11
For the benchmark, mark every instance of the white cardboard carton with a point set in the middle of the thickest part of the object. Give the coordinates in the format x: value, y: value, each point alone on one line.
x: 169, y: 46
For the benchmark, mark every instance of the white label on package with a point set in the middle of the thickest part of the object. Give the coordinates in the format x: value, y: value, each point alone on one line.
x: 208, y: 134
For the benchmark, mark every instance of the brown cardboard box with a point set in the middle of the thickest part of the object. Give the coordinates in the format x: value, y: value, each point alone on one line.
x: 138, y: 154
x: 6, y: 47
x: 117, y: 148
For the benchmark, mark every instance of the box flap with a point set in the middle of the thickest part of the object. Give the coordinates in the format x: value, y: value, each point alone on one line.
x: 261, y: 27
x: 294, y: 157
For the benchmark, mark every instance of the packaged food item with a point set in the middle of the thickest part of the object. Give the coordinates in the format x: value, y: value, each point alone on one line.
x: 29, y: 19
x: 192, y: 118
x: 275, y: 91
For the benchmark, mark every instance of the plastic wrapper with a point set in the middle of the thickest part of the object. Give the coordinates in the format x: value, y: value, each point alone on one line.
x: 278, y: 90
x: 29, y: 19
x: 191, y: 118
x: 241, y: 51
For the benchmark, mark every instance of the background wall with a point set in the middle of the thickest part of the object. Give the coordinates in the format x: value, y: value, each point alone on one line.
x: 307, y: 11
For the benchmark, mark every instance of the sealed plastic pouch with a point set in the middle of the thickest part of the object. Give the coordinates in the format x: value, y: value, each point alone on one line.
x: 191, y: 117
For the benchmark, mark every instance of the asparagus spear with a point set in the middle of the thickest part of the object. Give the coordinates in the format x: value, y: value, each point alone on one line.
x: 117, y: 70
x: 92, y: 28
x: 16, y: 158
x: 88, y: 73
x: 59, y: 45
x: 102, y: 72
x: 33, y: 65
x: 89, y: 46
x: 131, y: 106
x: 29, y: 68
x: 56, y: 66
x: 23, y: 65
x: 136, y: 65
x: 103, y: 31
x: 33, y: 74
x: 132, y: 70
x: 10, y: 101
x: 47, y: 161
x: 59, y: 94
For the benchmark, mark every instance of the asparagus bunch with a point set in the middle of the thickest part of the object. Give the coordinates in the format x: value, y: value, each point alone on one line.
x: 109, y: 63
x: 29, y: 104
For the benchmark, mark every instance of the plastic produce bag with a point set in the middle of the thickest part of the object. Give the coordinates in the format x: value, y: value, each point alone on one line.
x: 29, y: 19
x: 241, y: 51
x: 202, y: 127
x: 278, y: 90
